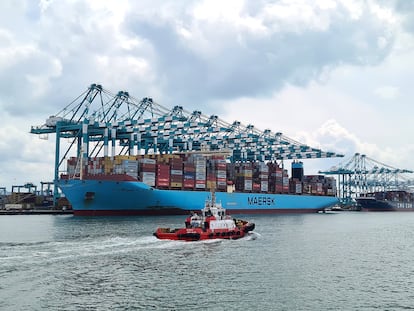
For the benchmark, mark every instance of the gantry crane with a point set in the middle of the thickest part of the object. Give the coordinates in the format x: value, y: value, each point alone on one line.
x: 362, y: 174
x: 97, y: 120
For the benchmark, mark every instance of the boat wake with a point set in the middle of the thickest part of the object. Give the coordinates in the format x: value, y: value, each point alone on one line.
x: 57, y: 251
x: 72, y: 250
x: 251, y: 235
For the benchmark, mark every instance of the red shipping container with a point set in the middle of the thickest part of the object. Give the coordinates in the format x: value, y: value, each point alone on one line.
x: 163, y: 174
x: 163, y: 183
x: 189, y: 184
x: 163, y: 167
x: 147, y: 167
x: 211, y: 177
x: 278, y: 188
x: 163, y: 179
x: 189, y: 168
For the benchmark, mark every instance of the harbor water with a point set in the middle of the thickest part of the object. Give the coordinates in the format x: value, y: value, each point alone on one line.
x: 338, y: 261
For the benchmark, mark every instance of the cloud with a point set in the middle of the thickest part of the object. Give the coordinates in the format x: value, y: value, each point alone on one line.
x: 285, y: 65
x: 193, y: 51
x: 25, y: 157
x: 387, y: 92
x: 333, y: 136
x: 237, y: 49
x: 406, y: 10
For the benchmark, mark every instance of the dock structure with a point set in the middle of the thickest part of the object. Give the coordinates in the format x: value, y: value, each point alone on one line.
x: 361, y: 175
x: 99, y: 123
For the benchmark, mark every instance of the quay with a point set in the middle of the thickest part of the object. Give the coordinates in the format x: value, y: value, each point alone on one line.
x: 36, y: 212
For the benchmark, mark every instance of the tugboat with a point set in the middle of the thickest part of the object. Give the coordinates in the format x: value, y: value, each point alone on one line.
x: 213, y: 223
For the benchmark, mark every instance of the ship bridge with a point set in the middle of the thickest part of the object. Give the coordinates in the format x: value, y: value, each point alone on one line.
x: 98, y: 120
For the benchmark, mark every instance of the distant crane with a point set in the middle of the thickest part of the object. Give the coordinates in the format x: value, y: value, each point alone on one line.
x: 362, y: 174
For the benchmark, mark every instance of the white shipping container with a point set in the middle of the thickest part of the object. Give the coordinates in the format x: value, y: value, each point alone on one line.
x: 263, y: 168
x: 130, y: 163
x: 131, y: 168
x: 200, y: 186
x: 221, y: 174
x: 147, y: 161
x: 132, y: 173
x: 95, y: 171
x: 176, y: 172
x: 285, y: 181
x: 319, y: 187
x: 248, y: 184
x: 264, y: 186
x: 73, y: 170
x: 298, y: 188
x: 10, y: 206
x: 148, y: 175
x: 264, y: 182
x: 149, y: 181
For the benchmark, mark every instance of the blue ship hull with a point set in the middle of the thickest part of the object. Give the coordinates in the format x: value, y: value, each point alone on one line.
x: 104, y: 197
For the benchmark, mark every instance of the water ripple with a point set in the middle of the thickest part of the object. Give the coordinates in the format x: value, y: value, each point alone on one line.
x: 307, y: 262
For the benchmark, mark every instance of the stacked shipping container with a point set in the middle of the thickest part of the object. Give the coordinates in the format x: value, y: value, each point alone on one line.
x: 176, y: 177
x: 200, y: 172
x: 163, y: 175
x: 147, y: 170
x: 260, y: 177
x: 189, y: 175
x: 196, y: 172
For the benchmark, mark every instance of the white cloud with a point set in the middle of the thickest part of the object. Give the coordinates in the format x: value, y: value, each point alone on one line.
x: 387, y: 92
x: 25, y: 158
x: 335, y: 73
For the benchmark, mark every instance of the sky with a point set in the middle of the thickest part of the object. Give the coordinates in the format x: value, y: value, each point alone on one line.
x: 333, y: 74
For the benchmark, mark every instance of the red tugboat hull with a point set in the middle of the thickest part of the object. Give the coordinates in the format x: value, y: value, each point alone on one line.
x: 198, y: 234
x: 212, y: 224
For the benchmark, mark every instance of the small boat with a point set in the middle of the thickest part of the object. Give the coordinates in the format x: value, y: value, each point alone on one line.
x: 213, y: 223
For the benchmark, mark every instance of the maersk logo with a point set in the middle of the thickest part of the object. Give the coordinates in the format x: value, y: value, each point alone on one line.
x: 261, y: 200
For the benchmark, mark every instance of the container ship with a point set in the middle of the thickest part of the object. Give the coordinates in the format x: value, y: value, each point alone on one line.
x: 387, y: 201
x: 137, y: 157
x: 177, y: 184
